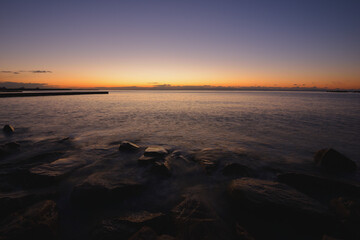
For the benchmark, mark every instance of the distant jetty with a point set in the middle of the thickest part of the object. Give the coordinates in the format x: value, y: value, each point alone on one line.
x: 38, y: 94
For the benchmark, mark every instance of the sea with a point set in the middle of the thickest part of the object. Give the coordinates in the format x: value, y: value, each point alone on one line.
x: 279, y: 126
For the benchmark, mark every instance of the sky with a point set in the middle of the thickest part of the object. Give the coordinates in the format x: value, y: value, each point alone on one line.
x: 239, y: 43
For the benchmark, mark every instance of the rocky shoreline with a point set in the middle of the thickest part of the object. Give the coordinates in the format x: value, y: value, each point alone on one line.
x: 53, y: 189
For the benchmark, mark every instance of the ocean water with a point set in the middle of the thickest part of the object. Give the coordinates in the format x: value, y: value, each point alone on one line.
x: 277, y: 126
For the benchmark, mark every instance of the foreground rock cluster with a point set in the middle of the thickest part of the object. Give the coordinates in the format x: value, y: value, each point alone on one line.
x: 54, y: 189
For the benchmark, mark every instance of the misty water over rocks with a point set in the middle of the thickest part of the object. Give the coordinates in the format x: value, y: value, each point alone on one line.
x: 194, y: 165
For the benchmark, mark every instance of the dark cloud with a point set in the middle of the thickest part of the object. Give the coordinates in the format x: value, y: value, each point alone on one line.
x: 32, y: 71
x: 23, y: 85
x: 40, y: 71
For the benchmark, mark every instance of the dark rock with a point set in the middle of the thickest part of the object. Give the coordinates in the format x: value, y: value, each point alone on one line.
x: 124, y: 227
x: 268, y: 198
x: 319, y: 186
x: 148, y: 159
x: 209, y: 159
x: 37, y: 222
x: 236, y: 169
x: 195, y: 220
x: 105, y: 186
x: 128, y: 146
x: 161, y: 168
x: 155, y: 151
x: 57, y: 169
x: 333, y: 161
x: 8, y: 129
x: 14, y: 201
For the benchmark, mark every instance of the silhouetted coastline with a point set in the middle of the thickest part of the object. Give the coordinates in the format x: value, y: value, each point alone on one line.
x: 38, y: 94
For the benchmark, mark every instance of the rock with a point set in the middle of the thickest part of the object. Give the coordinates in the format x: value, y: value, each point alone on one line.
x: 148, y: 159
x: 268, y: 198
x: 235, y: 169
x: 11, y: 202
x: 37, y: 222
x: 333, y: 161
x: 209, y: 159
x: 105, y: 186
x: 8, y: 129
x: 195, y: 220
x: 155, y: 151
x: 124, y: 227
x: 128, y: 146
x: 57, y: 169
x: 319, y: 186
x: 161, y: 168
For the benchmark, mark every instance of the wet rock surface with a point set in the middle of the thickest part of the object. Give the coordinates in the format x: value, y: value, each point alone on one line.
x: 155, y: 151
x: 105, y: 186
x: 194, y: 219
x: 128, y: 146
x: 59, y: 189
x: 55, y: 170
x: 331, y: 160
x: 268, y: 196
x: 8, y: 129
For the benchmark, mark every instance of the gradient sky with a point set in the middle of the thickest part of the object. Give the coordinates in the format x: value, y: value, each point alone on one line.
x: 87, y: 43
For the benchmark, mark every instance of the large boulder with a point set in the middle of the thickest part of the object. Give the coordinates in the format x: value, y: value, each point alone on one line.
x: 105, y: 186
x: 8, y: 129
x: 127, y: 146
x: 331, y: 160
x: 268, y: 198
x: 37, y: 222
x: 196, y: 220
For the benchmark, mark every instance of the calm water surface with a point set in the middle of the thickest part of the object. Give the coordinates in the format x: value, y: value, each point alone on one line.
x: 288, y: 126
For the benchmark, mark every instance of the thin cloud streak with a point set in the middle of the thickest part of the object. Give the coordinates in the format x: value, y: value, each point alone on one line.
x: 23, y: 71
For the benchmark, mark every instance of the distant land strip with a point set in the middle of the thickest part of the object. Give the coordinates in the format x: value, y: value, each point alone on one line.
x: 37, y: 94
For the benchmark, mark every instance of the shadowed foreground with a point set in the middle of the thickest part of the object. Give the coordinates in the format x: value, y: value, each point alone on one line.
x: 56, y: 189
